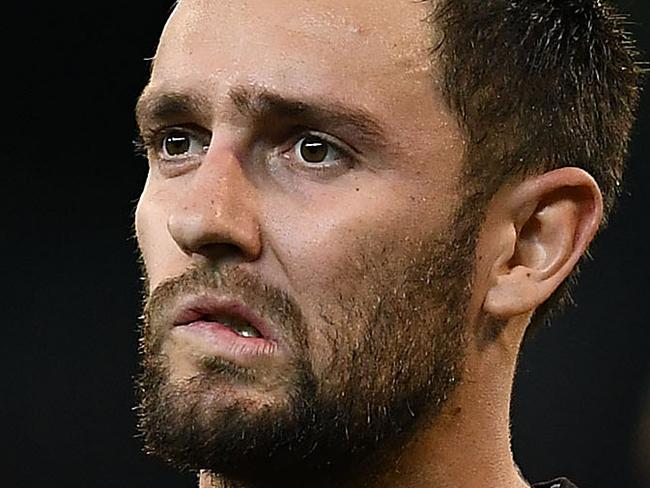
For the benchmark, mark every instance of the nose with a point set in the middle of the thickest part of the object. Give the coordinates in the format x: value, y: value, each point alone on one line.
x: 216, y: 216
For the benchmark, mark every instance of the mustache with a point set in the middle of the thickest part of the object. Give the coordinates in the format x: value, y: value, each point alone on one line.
x: 272, y: 303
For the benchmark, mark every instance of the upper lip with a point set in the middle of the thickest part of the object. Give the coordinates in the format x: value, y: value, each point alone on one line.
x: 203, y: 307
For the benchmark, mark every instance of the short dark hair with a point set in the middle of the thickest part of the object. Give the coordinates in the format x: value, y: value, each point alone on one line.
x: 538, y: 85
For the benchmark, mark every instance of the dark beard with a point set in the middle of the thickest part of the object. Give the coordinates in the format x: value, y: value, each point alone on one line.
x: 398, y: 373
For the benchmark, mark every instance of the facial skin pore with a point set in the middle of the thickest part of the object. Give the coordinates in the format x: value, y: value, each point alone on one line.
x: 380, y: 220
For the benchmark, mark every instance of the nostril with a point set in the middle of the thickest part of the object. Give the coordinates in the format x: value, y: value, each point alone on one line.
x: 222, y: 252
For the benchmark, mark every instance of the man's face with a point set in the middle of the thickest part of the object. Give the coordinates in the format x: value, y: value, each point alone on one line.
x: 308, y: 273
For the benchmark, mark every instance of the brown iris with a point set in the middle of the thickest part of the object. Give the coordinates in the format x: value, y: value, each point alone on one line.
x: 177, y: 143
x: 314, y: 149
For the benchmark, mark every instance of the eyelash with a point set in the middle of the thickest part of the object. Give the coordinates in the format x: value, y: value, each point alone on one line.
x: 148, y: 144
x: 150, y: 140
x: 345, y: 151
x: 140, y: 147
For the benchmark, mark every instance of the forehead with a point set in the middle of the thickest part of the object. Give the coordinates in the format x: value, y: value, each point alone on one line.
x: 388, y: 29
x: 366, y: 51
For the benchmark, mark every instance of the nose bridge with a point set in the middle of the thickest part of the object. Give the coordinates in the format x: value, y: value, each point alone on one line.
x: 218, y: 209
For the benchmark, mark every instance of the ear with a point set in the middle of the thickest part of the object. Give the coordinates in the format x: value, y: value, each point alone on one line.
x: 543, y: 226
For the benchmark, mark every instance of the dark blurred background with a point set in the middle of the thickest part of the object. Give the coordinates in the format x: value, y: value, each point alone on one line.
x: 71, y: 292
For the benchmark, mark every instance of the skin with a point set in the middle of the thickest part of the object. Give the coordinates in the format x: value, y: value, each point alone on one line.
x: 301, y: 230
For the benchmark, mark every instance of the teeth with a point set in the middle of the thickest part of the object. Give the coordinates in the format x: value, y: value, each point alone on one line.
x: 239, y: 326
x: 247, y: 331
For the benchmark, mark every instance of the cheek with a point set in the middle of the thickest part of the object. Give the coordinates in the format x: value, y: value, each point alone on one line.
x: 334, y: 244
x: 340, y: 253
x: 161, y: 256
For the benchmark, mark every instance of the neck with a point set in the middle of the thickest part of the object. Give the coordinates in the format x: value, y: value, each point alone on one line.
x: 468, y: 445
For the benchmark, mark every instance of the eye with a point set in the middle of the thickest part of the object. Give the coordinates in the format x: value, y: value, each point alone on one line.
x: 315, y: 150
x: 179, y: 144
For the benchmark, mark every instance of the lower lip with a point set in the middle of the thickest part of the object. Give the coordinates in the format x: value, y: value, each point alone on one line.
x: 222, y: 341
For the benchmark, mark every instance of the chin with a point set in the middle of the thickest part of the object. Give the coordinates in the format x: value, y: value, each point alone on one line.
x: 219, y: 421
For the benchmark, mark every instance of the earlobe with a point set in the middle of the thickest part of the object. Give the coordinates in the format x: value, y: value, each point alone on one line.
x: 549, y: 221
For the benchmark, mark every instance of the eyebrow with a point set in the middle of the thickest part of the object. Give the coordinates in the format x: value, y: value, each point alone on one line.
x: 154, y: 106
x: 261, y: 106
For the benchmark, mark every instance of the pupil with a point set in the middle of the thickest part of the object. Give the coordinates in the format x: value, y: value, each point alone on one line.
x: 176, y: 144
x: 313, y: 150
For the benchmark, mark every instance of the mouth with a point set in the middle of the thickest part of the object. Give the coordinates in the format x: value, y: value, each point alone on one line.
x: 224, y: 328
x: 237, y: 324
